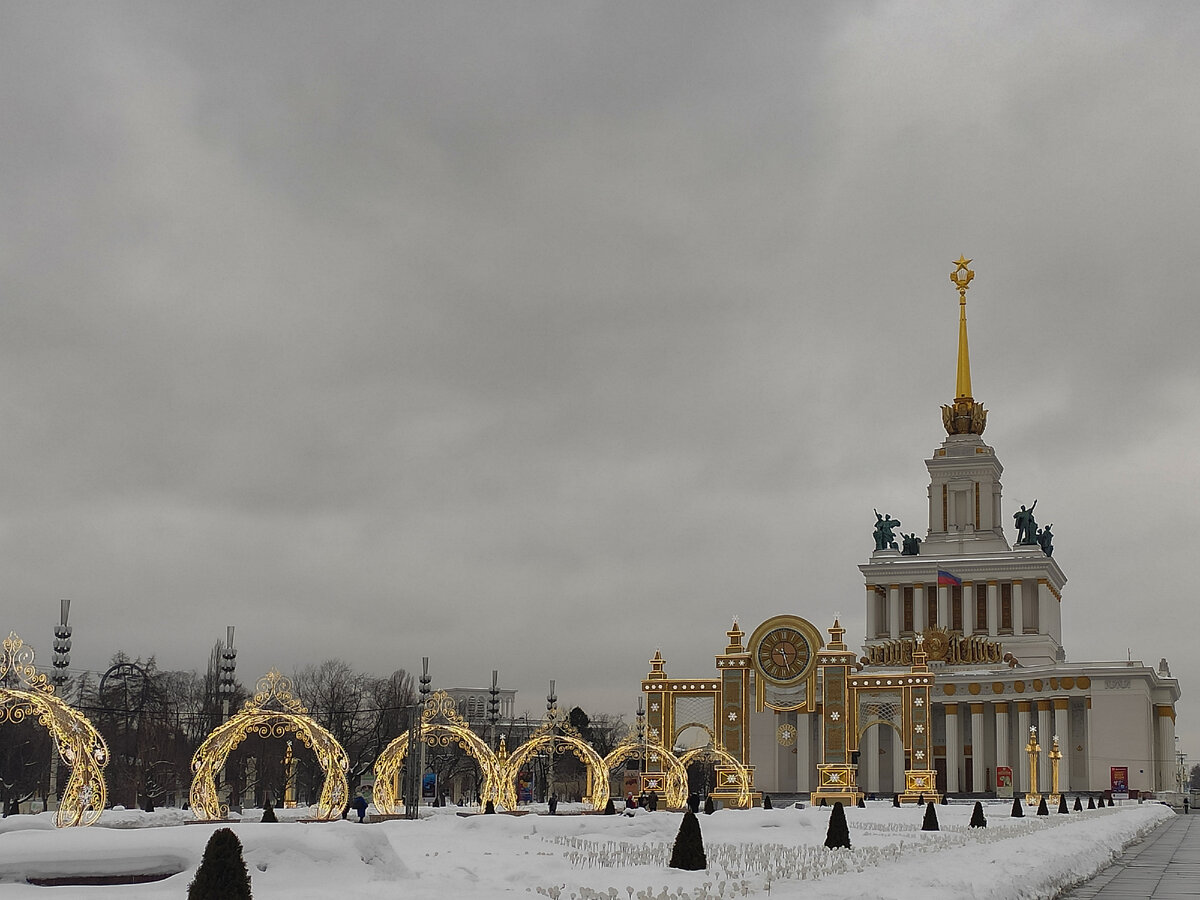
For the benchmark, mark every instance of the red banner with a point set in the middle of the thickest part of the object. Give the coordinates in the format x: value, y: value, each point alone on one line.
x: 1118, y: 779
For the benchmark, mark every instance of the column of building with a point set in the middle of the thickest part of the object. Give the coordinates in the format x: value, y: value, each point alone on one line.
x: 978, y: 769
x: 1062, y: 728
x: 1018, y: 612
x: 968, y: 605
x: 1165, y: 749
x: 993, y: 608
x: 1045, y: 735
x: 868, y: 758
x: 1002, y: 738
x: 920, y: 609
x: 953, y: 747
x: 1022, y: 785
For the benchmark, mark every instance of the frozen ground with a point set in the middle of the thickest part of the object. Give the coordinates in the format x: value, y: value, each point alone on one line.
x: 754, y: 853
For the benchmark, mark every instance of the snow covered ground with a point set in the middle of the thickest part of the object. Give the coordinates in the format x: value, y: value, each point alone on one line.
x: 755, y: 853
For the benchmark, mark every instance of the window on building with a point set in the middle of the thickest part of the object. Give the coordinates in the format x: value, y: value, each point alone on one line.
x: 981, y: 610
x: 1006, y: 608
x: 956, y: 610
x: 882, y: 625
x: 908, y: 610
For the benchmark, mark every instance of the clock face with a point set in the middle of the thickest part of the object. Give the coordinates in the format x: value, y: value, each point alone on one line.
x: 783, y: 654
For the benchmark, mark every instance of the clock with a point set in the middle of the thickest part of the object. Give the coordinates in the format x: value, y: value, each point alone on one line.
x: 783, y: 654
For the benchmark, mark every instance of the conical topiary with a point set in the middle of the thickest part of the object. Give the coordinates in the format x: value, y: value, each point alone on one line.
x: 609, y: 809
x: 269, y: 812
x: 489, y: 808
x: 945, y: 799
x: 688, y: 852
x: 1062, y: 805
x: 977, y: 817
x: 767, y: 801
x: 823, y: 803
x: 1110, y: 803
x: 896, y: 800
x: 838, y: 834
x: 1078, y: 807
x: 1042, y: 810
x: 1018, y: 811
x: 693, y: 802
x: 222, y: 873
x: 860, y: 804
x: 930, y: 823
x: 709, y: 806
x: 921, y: 798
x: 1091, y: 802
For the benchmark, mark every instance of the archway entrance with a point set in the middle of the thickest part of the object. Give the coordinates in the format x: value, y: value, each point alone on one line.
x: 272, y: 712
x: 26, y: 693
x: 555, y: 739
x: 670, y: 779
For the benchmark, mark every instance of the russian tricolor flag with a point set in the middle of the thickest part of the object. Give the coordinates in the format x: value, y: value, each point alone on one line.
x: 945, y: 578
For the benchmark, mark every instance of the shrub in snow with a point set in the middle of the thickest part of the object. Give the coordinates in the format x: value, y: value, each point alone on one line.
x: 823, y: 803
x: 269, y: 812
x: 930, y: 822
x: 921, y: 798
x: 149, y: 807
x: 1110, y: 803
x: 688, y: 852
x: 709, y: 807
x: 489, y: 808
x: 896, y: 800
x: 1062, y: 804
x: 609, y: 809
x: 1018, y: 811
x: 860, y: 804
x: 767, y: 801
x: 977, y: 817
x: 1078, y: 807
x: 1042, y: 810
x: 838, y: 834
x: 693, y: 802
x: 222, y: 874
x: 1091, y: 802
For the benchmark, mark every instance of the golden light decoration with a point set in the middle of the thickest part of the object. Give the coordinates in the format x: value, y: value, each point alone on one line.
x: 25, y: 692
x: 716, y: 753
x: 272, y: 712
x: 440, y: 726
x: 675, y: 793
x: 558, y: 737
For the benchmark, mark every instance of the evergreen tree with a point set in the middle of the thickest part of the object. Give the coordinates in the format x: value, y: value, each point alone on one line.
x: 860, y: 804
x: 896, y: 800
x: 490, y: 807
x: 921, y: 798
x: 688, y: 852
x: 1091, y: 802
x: 149, y: 807
x: 1110, y: 803
x: 1062, y: 804
x: 269, y: 812
x: 977, y: 817
x: 823, y: 803
x: 1042, y: 810
x: 838, y: 834
x: 709, y: 806
x: 693, y: 802
x: 1018, y: 811
x: 930, y: 823
x: 767, y: 801
x: 945, y: 799
x: 222, y: 873
x: 609, y: 809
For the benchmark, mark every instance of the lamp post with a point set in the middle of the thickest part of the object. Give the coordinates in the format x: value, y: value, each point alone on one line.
x: 1033, y: 748
x: 551, y: 715
x: 1055, y: 755
x: 226, y: 686
x: 641, y: 738
x: 62, y: 659
x: 415, y: 764
x: 493, y: 713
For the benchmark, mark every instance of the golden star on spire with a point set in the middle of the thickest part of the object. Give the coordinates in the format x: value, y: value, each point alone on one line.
x: 962, y: 262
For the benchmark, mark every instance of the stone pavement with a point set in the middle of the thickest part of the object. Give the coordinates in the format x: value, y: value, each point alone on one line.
x: 1164, y: 866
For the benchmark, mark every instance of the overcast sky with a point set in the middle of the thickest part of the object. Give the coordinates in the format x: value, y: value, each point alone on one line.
x: 536, y: 336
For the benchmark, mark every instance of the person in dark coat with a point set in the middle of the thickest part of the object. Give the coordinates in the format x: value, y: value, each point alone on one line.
x: 359, y: 805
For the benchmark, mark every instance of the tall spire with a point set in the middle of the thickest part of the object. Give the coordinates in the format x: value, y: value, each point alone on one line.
x: 965, y: 416
x: 962, y: 279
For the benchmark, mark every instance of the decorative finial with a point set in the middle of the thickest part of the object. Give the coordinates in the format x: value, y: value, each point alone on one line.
x: 965, y: 416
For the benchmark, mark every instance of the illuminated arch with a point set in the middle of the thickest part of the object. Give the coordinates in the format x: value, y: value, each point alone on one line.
x: 273, y: 712
x: 735, y: 775
x: 675, y: 780
x: 440, y: 726
x: 558, y: 738
x: 77, y: 741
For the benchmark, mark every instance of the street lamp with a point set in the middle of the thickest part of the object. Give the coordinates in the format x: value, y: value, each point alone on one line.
x: 493, y: 713
x: 415, y: 765
x: 551, y: 714
x: 226, y: 686
x: 62, y: 645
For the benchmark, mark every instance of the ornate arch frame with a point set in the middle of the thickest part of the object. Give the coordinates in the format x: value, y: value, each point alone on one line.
x: 272, y: 712
x: 672, y: 782
x: 440, y: 726
x: 731, y: 774
x: 559, y: 738
x: 76, y: 739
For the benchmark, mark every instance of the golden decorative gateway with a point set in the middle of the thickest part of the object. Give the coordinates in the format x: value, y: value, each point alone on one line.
x: 731, y: 774
x: 674, y: 782
x: 272, y: 712
x: 440, y: 726
x: 25, y: 692
x: 557, y: 737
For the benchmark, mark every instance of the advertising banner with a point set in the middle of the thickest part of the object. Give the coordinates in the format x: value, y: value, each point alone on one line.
x: 429, y: 785
x: 1118, y: 778
x: 1004, y: 782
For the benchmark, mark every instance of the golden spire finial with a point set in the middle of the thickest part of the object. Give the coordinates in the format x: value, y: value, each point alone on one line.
x: 965, y: 416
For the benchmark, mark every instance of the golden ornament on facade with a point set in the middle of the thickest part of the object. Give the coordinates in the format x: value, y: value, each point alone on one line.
x: 959, y: 650
x: 25, y: 692
x: 785, y: 735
